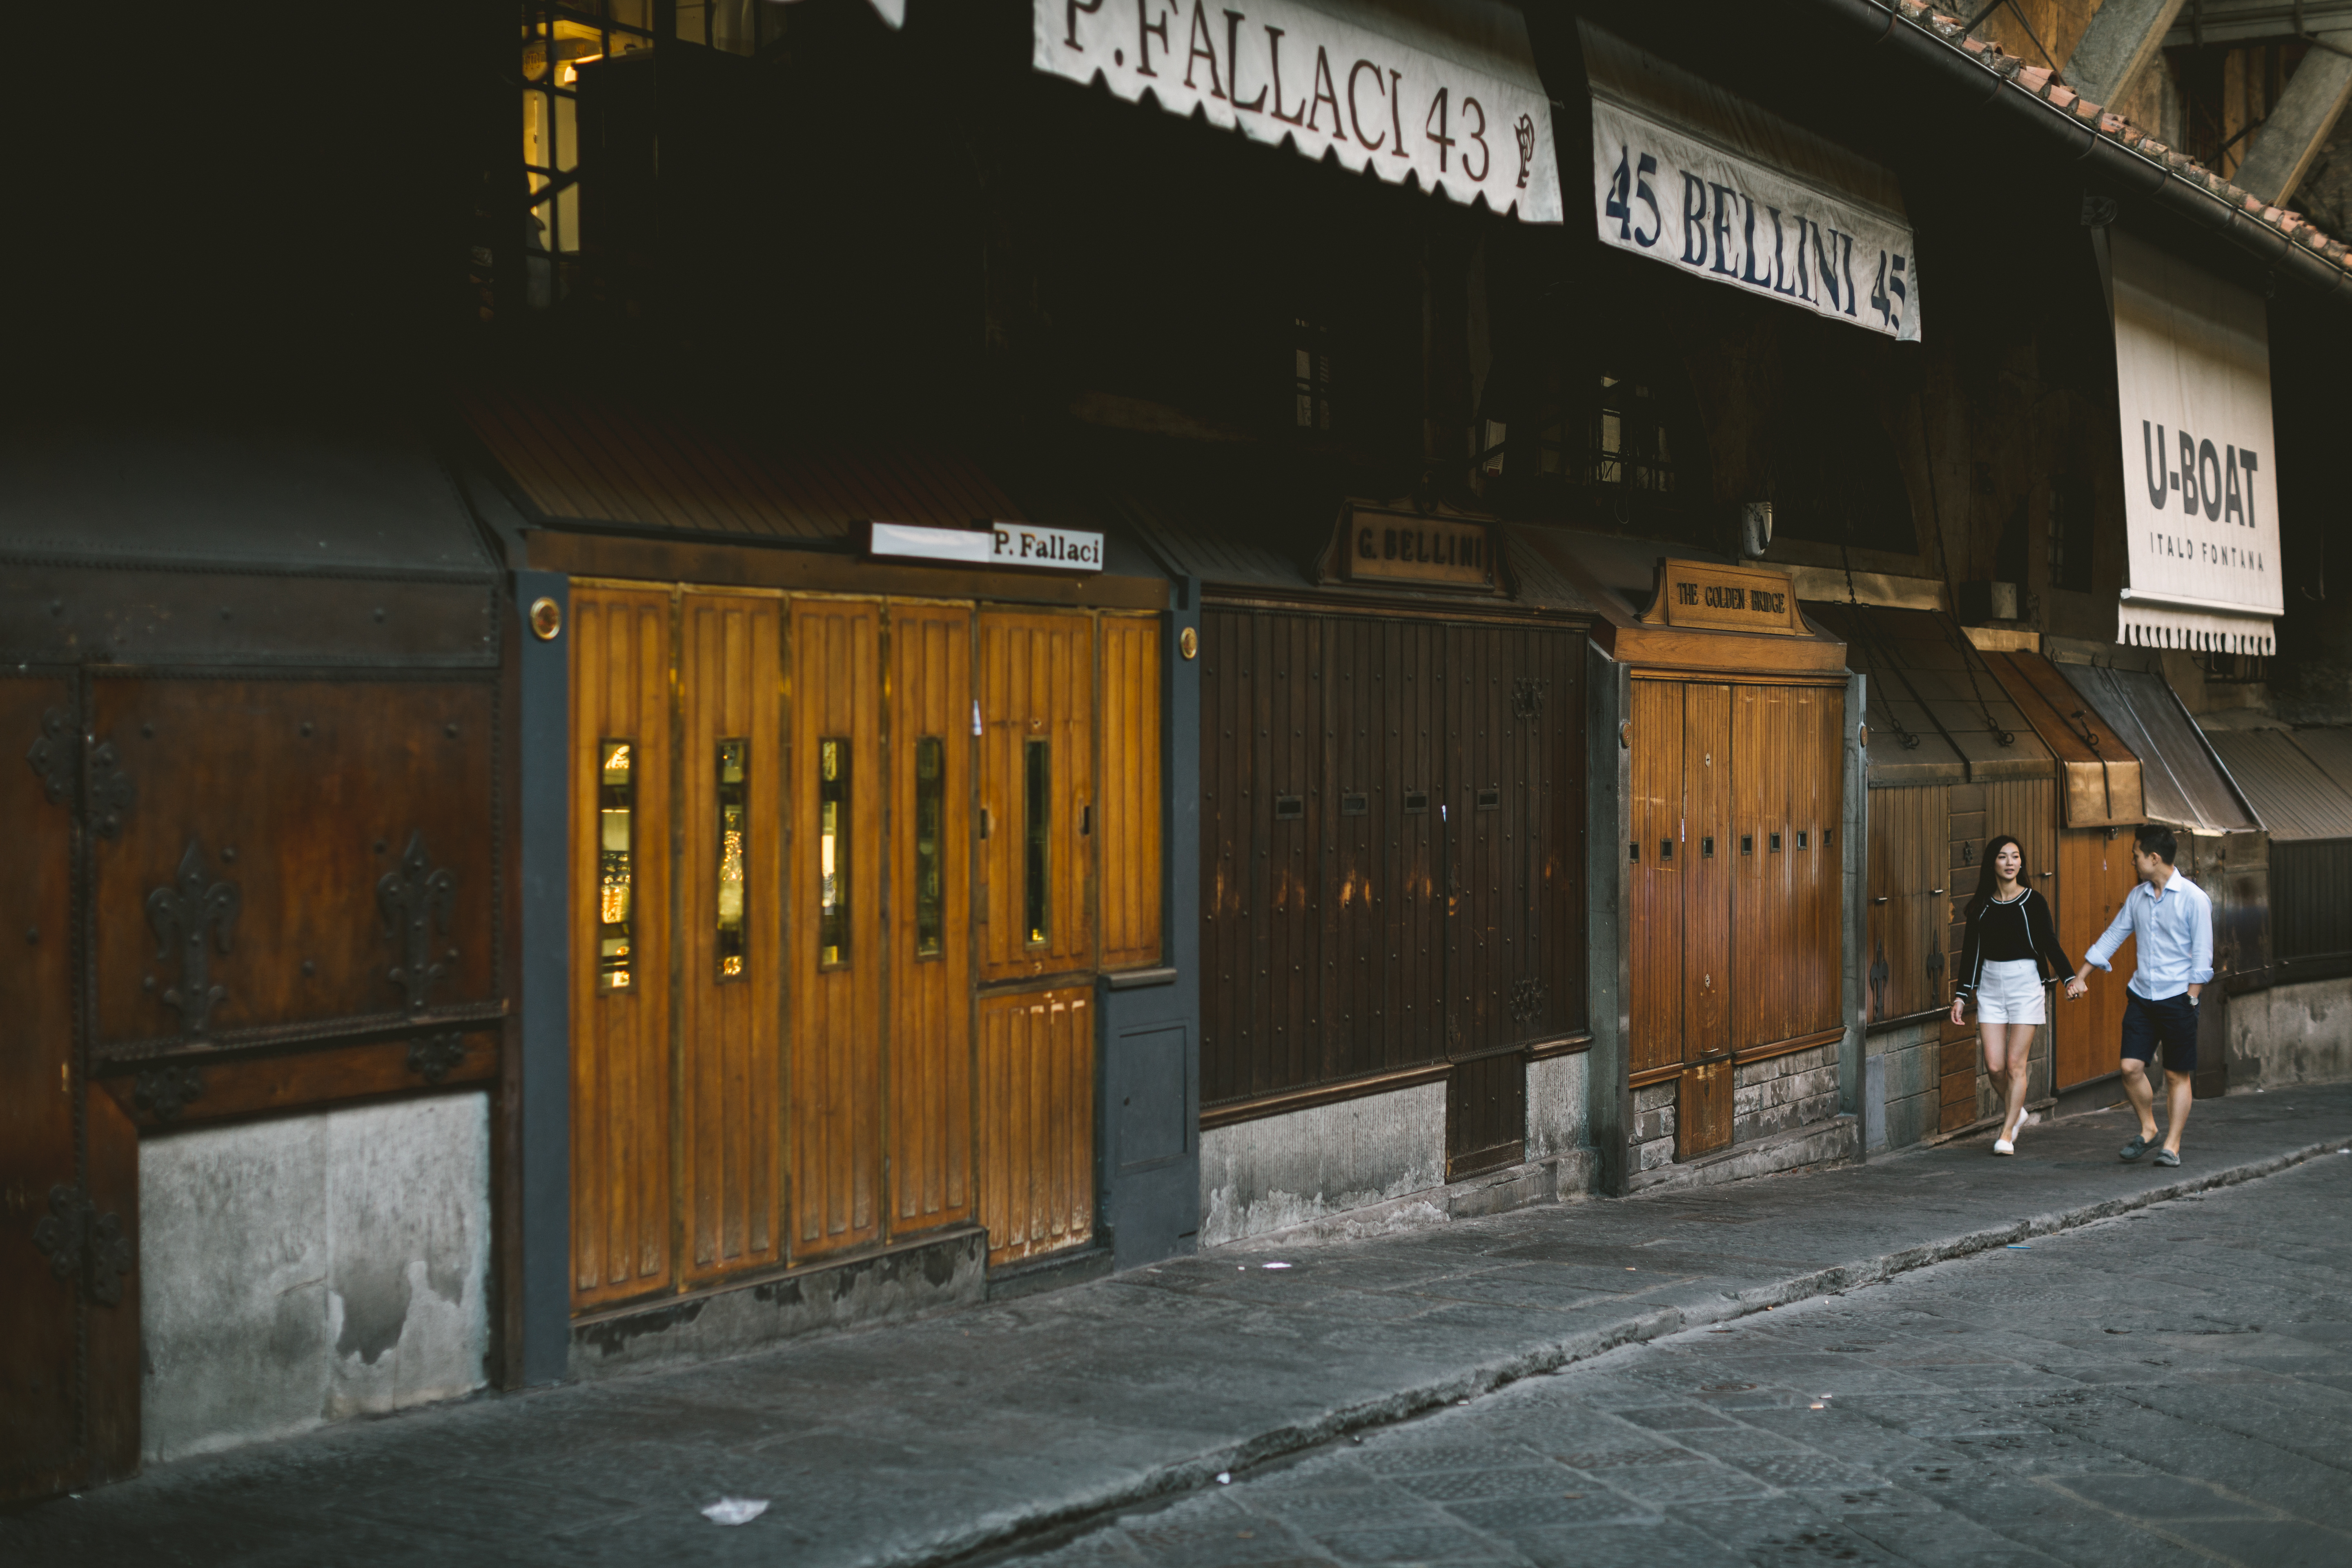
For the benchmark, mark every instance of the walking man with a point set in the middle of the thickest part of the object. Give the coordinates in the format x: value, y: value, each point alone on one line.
x: 2172, y: 921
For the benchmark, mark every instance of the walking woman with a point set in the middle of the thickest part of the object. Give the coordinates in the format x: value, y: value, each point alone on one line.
x: 2011, y: 952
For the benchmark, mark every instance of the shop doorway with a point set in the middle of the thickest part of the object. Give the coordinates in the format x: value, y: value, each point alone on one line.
x: 837, y: 877
x: 1733, y: 863
x: 1390, y: 857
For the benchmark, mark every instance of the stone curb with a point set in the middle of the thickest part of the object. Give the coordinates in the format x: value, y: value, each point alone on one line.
x: 1004, y: 1530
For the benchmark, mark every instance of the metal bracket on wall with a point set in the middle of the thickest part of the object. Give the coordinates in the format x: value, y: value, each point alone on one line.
x: 1528, y: 696
x: 415, y: 902
x: 54, y: 756
x: 165, y: 1093
x: 433, y: 1056
x: 183, y: 913
x: 78, y: 1240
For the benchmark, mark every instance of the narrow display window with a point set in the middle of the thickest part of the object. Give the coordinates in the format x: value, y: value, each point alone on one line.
x: 930, y: 807
x: 1037, y: 789
x: 833, y: 853
x: 616, y: 800
x: 734, y: 824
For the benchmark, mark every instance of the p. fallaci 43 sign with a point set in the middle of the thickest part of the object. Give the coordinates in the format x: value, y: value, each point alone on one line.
x: 1466, y: 124
x: 1717, y: 215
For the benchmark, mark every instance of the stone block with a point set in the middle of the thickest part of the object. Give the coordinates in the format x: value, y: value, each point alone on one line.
x: 1910, y: 1118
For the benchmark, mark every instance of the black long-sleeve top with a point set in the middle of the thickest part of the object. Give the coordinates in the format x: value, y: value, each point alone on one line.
x: 2021, y: 928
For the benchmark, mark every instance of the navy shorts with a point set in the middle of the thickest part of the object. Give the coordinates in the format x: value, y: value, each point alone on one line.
x: 2171, y: 1022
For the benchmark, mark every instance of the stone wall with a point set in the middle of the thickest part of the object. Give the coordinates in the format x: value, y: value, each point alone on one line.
x: 2291, y: 1033
x: 1911, y: 1075
x: 1653, y: 1127
x: 311, y: 1269
x: 1780, y: 1092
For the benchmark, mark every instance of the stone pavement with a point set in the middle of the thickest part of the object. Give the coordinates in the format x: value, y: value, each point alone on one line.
x: 978, y: 1430
x: 2170, y: 1387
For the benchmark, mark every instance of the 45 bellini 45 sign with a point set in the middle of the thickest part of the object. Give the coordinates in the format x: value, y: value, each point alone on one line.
x: 1715, y: 215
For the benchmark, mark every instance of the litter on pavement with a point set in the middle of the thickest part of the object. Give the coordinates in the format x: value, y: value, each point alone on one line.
x: 736, y: 1509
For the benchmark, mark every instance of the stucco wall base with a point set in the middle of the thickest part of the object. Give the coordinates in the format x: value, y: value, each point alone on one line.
x: 906, y: 1280
x: 2291, y: 1033
x: 310, y: 1269
x: 1371, y: 1167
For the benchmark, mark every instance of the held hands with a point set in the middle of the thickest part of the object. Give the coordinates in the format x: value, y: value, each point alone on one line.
x: 2075, y: 987
x: 1956, y: 1002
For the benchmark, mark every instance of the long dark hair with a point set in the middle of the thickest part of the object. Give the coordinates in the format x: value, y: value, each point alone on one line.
x: 1989, y: 879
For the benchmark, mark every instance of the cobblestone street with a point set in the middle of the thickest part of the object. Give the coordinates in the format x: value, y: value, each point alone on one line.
x: 2171, y: 1386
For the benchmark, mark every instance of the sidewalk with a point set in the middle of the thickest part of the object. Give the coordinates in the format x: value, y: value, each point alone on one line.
x: 916, y: 1443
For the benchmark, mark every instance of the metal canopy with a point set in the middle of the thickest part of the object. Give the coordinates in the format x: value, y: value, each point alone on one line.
x: 2102, y: 777
x: 1937, y: 713
x: 2183, y: 782
x: 336, y: 491
x: 2295, y: 795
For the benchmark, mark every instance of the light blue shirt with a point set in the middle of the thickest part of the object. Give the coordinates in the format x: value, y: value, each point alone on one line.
x: 2175, y: 933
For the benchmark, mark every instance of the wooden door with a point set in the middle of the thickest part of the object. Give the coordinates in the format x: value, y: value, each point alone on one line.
x: 1703, y: 1106
x: 1036, y: 1121
x: 730, y: 934
x: 1910, y: 847
x: 1129, y: 790
x: 1035, y: 676
x: 1816, y: 808
x: 2095, y: 876
x: 836, y: 783
x: 68, y: 1159
x: 930, y: 915
x: 1767, y: 963
x: 1656, y: 871
x: 620, y: 1193
x: 1037, y: 793
x: 1711, y: 843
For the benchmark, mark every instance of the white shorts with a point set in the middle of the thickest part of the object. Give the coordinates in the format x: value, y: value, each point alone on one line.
x: 2009, y: 991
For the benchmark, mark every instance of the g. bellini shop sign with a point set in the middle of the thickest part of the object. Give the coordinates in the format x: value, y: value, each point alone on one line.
x: 1466, y: 115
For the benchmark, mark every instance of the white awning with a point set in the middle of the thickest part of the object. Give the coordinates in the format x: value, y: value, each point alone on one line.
x: 2200, y: 485
x: 1445, y: 90
x: 1698, y: 178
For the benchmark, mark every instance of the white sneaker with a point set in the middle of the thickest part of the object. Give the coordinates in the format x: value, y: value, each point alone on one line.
x: 2003, y: 1146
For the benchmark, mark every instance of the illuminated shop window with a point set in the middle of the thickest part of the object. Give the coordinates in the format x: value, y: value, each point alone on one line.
x: 1037, y: 792
x: 734, y: 828
x: 557, y: 41
x: 832, y: 853
x: 931, y: 802
x: 616, y: 801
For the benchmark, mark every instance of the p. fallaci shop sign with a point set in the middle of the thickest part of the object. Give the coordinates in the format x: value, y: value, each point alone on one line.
x: 1371, y: 86
x: 989, y: 544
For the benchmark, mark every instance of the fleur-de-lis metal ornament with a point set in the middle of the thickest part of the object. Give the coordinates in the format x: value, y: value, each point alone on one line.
x: 1878, y: 975
x: 163, y: 1092
x: 189, y: 916
x: 77, y: 1239
x: 1527, y: 1000
x: 52, y: 757
x: 415, y: 902
x: 434, y: 1056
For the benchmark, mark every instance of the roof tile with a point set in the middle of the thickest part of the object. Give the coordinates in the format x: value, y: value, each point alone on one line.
x: 2045, y: 82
